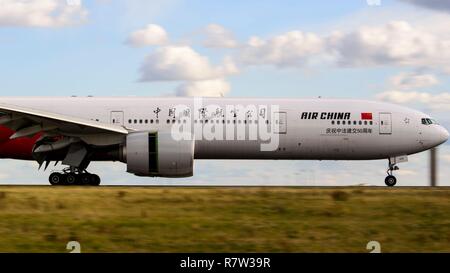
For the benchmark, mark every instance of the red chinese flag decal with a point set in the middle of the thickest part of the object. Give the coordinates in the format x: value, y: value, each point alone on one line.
x: 366, y: 116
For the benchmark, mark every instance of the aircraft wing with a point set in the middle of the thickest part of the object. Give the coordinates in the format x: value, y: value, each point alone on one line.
x: 26, y: 121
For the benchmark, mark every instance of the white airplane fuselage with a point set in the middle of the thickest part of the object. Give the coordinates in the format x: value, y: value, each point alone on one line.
x: 322, y: 129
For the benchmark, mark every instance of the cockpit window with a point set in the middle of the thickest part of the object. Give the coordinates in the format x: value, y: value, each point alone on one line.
x: 427, y: 121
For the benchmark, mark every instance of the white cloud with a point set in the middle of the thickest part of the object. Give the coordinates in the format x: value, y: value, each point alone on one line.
x: 219, y: 37
x: 407, y: 172
x: 42, y: 13
x: 294, y: 48
x: 446, y: 158
x: 208, y: 88
x: 403, y: 90
x: 150, y: 35
x: 438, y: 102
x: 413, y: 80
x: 182, y: 63
x: 396, y: 43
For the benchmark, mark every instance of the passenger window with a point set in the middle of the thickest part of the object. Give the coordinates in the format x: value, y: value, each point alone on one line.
x: 365, y: 122
x: 354, y: 122
x: 360, y: 122
x: 332, y: 122
x: 338, y: 122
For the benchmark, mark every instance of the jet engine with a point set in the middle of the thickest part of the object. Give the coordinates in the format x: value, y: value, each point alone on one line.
x: 158, y: 154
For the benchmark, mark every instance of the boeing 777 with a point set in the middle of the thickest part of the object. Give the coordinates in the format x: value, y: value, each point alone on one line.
x: 161, y: 137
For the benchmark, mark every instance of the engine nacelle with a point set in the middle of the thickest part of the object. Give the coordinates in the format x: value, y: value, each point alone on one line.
x: 158, y: 154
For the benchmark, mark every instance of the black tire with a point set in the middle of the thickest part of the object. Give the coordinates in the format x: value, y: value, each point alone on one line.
x: 390, y: 181
x: 56, y: 179
x: 71, y: 179
x: 85, y: 179
x: 95, y: 180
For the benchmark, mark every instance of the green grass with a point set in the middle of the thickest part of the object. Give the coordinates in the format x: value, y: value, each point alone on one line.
x: 166, y: 219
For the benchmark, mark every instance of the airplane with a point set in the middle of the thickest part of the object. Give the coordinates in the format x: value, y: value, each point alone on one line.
x: 161, y: 136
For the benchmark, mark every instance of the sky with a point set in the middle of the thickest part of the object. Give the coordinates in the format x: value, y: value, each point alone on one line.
x: 396, y: 51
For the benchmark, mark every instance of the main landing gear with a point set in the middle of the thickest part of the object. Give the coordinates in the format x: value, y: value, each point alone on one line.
x: 390, y: 180
x: 74, y: 176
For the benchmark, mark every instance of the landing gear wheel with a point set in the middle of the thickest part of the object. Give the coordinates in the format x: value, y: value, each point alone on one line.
x: 56, y: 179
x: 390, y: 181
x: 74, y: 176
x: 95, y: 180
x: 85, y: 179
x: 71, y: 179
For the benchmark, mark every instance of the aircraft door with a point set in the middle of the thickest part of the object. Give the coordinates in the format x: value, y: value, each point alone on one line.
x: 280, y: 123
x: 117, y: 117
x: 385, y: 123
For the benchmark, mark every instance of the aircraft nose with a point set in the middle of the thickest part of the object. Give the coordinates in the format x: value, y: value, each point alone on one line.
x: 442, y: 135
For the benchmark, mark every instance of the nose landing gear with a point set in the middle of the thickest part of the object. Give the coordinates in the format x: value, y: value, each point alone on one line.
x: 390, y: 180
x: 74, y: 176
